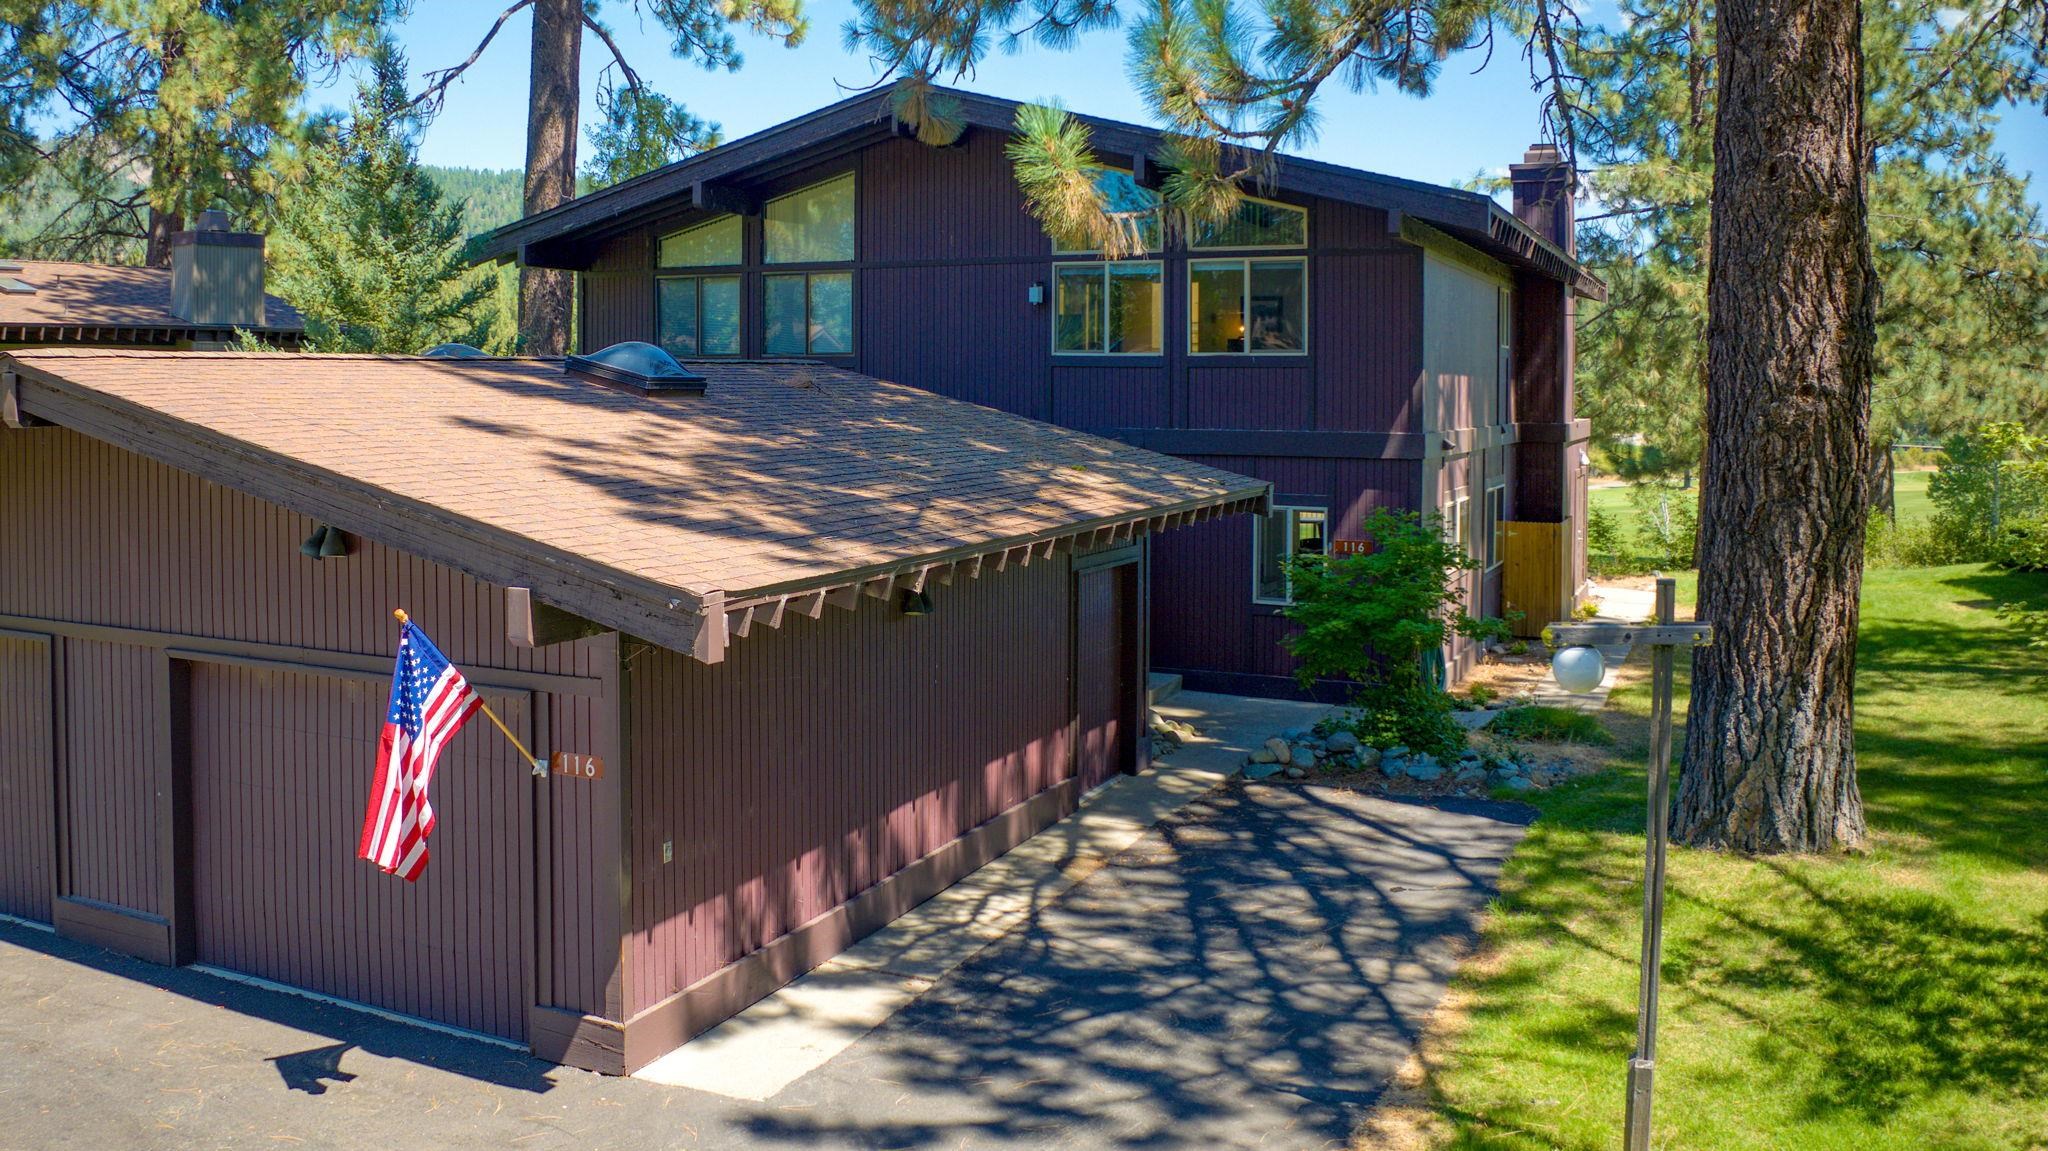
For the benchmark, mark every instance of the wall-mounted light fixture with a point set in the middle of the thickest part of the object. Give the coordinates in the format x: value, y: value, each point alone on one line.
x: 915, y: 603
x: 1037, y: 293
x: 327, y: 543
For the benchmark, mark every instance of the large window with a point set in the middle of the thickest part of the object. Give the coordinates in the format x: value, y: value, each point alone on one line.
x: 1256, y: 224
x: 698, y: 315
x: 1248, y: 306
x: 1456, y: 527
x: 1120, y: 194
x: 812, y: 225
x: 715, y: 243
x: 1108, y: 308
x: 809, y: 314
x: 1278, y: 536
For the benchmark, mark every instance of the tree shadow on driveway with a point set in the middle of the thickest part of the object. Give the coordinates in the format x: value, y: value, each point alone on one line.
x: 1249, y: 974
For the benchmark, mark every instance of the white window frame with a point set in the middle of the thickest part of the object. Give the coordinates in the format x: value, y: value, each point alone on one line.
x: 739, y: 260
x: 1245, y: 303
x: 1457, y: 513
x: 1158, y: 306
x: 1496, y: 512
x: 1293, y: 536
x: 1302, y: 246
x: 1504, y: 385
x: 1158, y: 225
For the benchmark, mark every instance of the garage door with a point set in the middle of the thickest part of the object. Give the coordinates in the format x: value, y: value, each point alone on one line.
x: 28, y: 812
x: 281, y: 769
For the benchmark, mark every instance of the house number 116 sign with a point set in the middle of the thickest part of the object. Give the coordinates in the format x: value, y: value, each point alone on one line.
x: 576, y: 765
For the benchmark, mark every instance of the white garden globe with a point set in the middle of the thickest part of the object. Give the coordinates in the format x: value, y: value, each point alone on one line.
x: 1578, y: 669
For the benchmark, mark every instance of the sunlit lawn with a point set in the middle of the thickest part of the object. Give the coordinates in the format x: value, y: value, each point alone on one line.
x: 1896, y: 999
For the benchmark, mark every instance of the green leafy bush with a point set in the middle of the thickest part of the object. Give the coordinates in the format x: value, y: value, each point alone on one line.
x: 1605, y: 552
x: 1667, y: 525
x: 1990, y: 482
x: 1904, y: 545
x: 2023, y: 544
x: 1550, y: 725
x: 1373, y: 618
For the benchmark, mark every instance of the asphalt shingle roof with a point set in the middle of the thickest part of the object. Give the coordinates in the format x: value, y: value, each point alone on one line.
x: 780, y: 475
x: 108, y: 296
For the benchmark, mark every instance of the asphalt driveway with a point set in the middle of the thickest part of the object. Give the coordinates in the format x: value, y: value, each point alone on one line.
x: 1249, y: 974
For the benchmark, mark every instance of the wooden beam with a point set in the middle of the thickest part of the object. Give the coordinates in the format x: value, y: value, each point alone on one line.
x: 10, y: 404
x: 1628, y: 635
x: 530, y: 623
x: 708, y: 196
x: 812, y: 605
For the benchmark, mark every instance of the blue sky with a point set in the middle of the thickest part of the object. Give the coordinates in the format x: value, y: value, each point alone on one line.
x: 1475, y: 121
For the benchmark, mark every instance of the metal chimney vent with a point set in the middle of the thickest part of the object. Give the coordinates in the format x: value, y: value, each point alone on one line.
x: 640, y: 366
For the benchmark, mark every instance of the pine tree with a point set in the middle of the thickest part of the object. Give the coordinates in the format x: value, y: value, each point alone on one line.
x: 643, y: 129
x: 1961, y: 258
x: 163, y: 107
x: 367, y: 246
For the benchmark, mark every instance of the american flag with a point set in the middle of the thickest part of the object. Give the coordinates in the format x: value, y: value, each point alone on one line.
x: 430, y: 701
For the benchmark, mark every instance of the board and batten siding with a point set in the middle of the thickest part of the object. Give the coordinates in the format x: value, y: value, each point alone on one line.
x: 824, y: 757
x: 128, y: 568
x: 28, y: 800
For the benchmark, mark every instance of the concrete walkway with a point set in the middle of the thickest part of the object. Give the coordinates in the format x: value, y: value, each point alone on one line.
x: 757, y: 1053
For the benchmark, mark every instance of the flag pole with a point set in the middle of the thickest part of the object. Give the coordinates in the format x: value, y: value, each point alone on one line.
x: 540, y: 767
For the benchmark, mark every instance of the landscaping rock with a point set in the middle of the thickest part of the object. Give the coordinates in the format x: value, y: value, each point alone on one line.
x: 1263, y: 771
x: 1305, y: 755
x: 1368, y: 757
x: 1341, y: 742
x: 1279, y: 750
x: 1470, y: 773
x: 1295, y: 772
x: 1261, y: 756
x: 1425, y: 769
x: 1520, y: 783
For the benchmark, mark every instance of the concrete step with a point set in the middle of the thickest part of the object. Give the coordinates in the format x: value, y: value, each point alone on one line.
x: 1160, y: 687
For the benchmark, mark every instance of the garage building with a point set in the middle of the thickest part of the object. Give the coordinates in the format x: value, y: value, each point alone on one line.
x: 802, y: 645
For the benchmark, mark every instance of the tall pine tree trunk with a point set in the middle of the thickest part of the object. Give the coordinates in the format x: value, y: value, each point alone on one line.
x: 545, y: 294
x: 1769, y: 761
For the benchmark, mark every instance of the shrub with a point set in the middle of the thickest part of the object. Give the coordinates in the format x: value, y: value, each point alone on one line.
x: 1482, y: 694
x: 1909, y: 544
x: 1667, y: 525
x: 1551, y: 725
x: 1419, y: 721
x: 1603, y: 541
x: 1989, y: 480
x: 2023, y: 545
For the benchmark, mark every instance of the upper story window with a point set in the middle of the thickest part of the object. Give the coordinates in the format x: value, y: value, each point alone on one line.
x: 714, y: 243
x: 1248, y: 306
x: 1109, y: 308
x: 1504, y: 378
x: 812, y: 225
x: 1280, y: 535
x: 1496, y: 524
x: 1122, y: 194
x: 1255, y: 224
x: 698, y: 315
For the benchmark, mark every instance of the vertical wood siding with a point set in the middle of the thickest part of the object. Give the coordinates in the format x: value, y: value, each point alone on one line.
x: 1253, y: 392
x: 278, y: 791
x: 119, y: 541
x: 28, y: 802
x: 1103, y: 396
x: 824, y: 757
x: 112, y: 742
x: 1368, y: 339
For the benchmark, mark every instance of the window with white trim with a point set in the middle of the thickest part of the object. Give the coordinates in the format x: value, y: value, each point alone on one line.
x: 1255, y: 224
x: 1277, y: 537
x: 1110, y: 308
x: 1456, y: 510
x: 1504, y: 377
x: 1248, y: 306
x: 1496, y: 524
x: 1122, y: 195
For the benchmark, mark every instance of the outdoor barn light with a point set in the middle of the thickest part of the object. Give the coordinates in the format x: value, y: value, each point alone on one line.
x: 326, y: 543
x: 1577, y: 666
x: 916, y: 603
x: 1037, y: 293
x: 1578, y: 669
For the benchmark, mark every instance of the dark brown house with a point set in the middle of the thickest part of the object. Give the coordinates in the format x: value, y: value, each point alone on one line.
x: 825, y: 643
x: 1358, y: 341
x: 213, y: 286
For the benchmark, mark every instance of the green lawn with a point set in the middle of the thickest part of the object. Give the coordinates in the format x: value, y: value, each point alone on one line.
x: 1909, y: 487
x: 1895, y: 999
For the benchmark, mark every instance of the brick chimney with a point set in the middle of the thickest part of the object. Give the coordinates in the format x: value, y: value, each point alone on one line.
x: 216, y: 274
x: 1543, y: 186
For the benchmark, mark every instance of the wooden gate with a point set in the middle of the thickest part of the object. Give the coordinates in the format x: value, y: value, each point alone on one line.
x: 1536, y: 577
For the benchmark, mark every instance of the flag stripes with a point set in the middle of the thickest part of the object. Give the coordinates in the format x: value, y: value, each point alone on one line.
x: 430, y: 701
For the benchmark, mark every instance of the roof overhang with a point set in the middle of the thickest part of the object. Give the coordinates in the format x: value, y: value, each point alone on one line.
x: 697, y: 622
x: 567, y: 236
